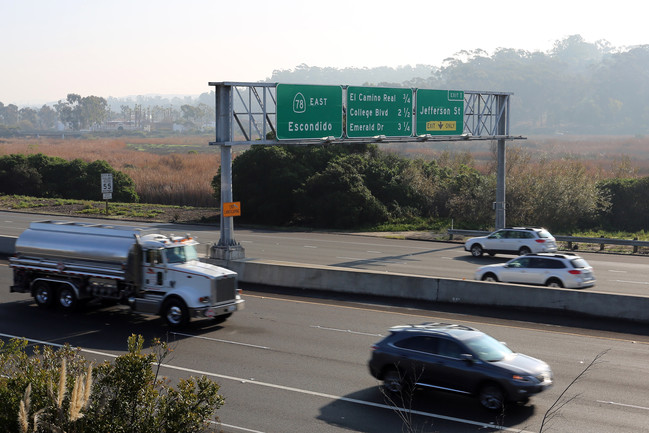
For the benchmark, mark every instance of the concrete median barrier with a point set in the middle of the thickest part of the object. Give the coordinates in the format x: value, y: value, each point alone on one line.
x: 445, y: 290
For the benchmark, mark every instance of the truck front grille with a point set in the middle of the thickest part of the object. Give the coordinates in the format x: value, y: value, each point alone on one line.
x: 224, y: 289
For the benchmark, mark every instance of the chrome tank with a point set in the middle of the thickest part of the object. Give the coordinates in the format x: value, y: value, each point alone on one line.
x: 79, y: 241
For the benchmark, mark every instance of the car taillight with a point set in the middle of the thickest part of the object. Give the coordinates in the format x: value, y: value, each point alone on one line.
x: 540, y: 240
x: 374, y: 347
x: 574, y: 272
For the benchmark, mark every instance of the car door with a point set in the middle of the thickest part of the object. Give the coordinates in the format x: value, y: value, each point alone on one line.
x: 453, y: 370
x: 416, y: 358
x: 496, y: 241
x: 540, y: 270
x: 516, y: 271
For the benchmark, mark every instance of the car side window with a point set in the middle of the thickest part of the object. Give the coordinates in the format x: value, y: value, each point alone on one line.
x: 449, y: 348
x: 539, y: 263
x: 421, y: 344
x: 496, y: 235
x: 522, y: 262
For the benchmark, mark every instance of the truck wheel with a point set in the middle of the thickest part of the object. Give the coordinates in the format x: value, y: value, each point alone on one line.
x: 67, y: 298
x: 175, y: 313
x: 43, y: 294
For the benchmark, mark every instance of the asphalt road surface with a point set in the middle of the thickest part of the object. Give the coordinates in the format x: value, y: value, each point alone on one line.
x: 299, y: 364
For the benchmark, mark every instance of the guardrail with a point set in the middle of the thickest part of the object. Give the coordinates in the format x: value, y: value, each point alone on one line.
x: 635, y: 243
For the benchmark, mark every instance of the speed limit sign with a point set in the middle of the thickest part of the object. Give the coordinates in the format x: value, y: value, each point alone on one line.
x: 107, y: 185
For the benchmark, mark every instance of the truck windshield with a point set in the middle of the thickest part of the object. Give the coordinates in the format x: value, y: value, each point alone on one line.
x: 181, y: 254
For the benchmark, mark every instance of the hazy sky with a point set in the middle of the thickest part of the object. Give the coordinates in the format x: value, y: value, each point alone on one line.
x: 136, y: 47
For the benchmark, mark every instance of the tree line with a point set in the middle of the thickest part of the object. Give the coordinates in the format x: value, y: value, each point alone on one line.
x: 577, y: 87
x: 359, y: 186
x: 38, y: 175
x: 78, y: 113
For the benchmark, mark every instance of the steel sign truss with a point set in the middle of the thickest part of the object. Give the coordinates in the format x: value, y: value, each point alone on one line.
x: 246, y: 113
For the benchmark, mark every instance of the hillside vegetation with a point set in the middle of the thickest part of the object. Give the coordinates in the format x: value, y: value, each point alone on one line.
x: 587, y: 184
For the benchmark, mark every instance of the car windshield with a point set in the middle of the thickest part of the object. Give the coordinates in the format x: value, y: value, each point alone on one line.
x: 487, y: 348
x: 181, y: 254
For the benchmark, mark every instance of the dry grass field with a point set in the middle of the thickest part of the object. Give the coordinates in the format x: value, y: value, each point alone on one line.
x: 607, y: 156
x: 178, y: 170
x: 173, y: 171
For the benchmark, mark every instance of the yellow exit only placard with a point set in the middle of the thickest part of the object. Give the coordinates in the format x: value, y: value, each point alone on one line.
x: 232, y: 209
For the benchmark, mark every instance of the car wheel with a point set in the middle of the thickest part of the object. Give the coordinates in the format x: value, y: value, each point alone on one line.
x: 392, y: 381
x: 43, y: 295
x: 490, y: 277
x: 492, y: 397
x: 554, y: 282
x: 175, y: 313
x: 524, y: 250
x: 476, y: 250
x: 67, y: 299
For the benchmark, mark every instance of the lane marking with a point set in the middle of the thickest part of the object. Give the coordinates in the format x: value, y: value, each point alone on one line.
x: 297, y: 390
x: 441, y: 319
x: 622, y: 404
x: 309, y: 246
x: 235, y: 427
x: 632, y: 282
x: 222, y: 341
x: 348, y: 331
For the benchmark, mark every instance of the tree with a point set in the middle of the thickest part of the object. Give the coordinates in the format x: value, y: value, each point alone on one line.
x: 47, y: 117
x: 81, y: 113
x: 339, y: 198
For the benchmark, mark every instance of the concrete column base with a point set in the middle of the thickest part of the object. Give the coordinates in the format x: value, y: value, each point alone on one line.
x: 234, y: 252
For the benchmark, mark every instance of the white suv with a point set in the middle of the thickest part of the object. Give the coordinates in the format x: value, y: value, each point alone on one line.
x: 513, y: 240
x: 553, y: 270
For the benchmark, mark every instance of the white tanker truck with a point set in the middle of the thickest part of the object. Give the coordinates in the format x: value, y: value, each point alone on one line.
x: 66, y: 264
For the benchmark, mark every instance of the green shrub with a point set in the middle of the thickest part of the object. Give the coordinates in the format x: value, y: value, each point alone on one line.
x: 50, y: 391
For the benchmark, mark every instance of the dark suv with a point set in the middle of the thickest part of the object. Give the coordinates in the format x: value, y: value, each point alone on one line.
x: 456, y: 358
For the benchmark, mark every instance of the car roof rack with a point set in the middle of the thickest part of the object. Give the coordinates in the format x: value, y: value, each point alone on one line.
x: 433, y: 326
x: 525, y: 228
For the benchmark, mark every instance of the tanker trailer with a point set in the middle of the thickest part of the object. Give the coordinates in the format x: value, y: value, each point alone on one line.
x: 66, y: 264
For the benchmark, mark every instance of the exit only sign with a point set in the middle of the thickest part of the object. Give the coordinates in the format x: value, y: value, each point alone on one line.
x: 231, y: 209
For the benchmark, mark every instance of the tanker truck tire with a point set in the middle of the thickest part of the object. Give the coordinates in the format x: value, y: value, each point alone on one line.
x: 43, y: 294
x: 175, y: 313
x: 67, y: 299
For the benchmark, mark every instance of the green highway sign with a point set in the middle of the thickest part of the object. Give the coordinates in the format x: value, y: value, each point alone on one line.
x: 440, y: 112
x: 309, y: 111
x: 375, y: 111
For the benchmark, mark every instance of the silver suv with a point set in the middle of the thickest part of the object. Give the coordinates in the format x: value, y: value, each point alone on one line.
x: 553, y: 270
x: 513, y: 240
